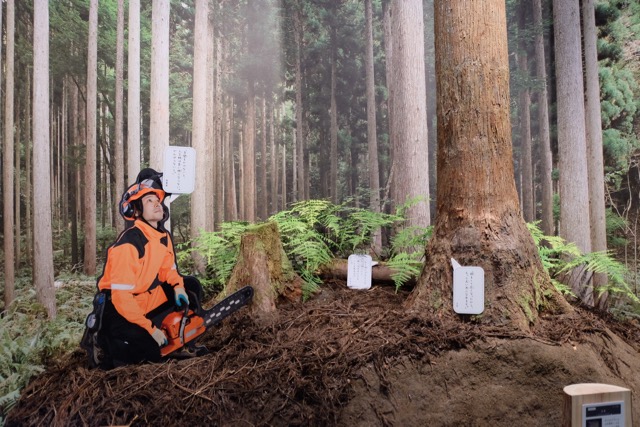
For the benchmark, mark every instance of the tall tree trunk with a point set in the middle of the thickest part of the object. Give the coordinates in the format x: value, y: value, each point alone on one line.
x: 372, y: 135
x: 119, y: 136
x: 28, y: 172
x: 43, y: 245
x: 90, y: 155
x: 478, y: 221
x: 299, y: 174
x: 572, y: 143
x: 528, y: 207
x: 214, y: 127
x: 133, y: 92
x: 544, y: 147
x: 273, y: 178
x: 230, y: 177
x: 8, y: 161
x: 73, y: 175
x: 199, y: 142
x: 594, y: 144
x: 388, y: 50
x: 249, y: 157
x: 159, y: 108
x: 17, y: 185
x: 333, y: 151
x: 264, y: 200
x: 410, y: 113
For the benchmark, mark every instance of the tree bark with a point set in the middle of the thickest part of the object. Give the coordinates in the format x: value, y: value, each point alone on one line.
x: 263, y: 209
x: 159, y: 108
x: 478, y: 221
x: 372, y: 135
x: 299, y: 167
x: 572, y: 144
x: 333, y: 150
x: 410, y: 153
x: 90, y: 154
x: 118, y: 158
x: 133, y: 92
x: 43, y: 245
x: 199, y: 142
x: 544, y: 140
x: 8, y: 162
x: 528, y: 206
x: 249, y: 157
x: 594, y: 144
x: 263, y: 264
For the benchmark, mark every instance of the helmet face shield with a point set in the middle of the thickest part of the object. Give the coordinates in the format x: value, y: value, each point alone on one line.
x: 136, y: 192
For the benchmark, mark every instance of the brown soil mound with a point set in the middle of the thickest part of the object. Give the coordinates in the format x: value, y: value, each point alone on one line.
x: 348, y: 358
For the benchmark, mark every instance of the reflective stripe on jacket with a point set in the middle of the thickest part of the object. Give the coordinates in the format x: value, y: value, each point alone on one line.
x: 137, y: 263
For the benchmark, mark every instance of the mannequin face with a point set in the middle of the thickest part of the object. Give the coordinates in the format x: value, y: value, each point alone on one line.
x: 152, y: 210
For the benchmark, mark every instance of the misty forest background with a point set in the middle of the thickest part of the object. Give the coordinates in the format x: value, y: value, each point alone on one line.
x: 285, y: 101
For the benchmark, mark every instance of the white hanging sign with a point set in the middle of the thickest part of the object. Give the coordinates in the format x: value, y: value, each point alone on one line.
x: 359, y: 271
x: 179, y: 173
x: 468, y: 289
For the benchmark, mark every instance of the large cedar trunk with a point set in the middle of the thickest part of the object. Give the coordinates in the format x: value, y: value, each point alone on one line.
x: 263, y: 264
x: 479, y: 222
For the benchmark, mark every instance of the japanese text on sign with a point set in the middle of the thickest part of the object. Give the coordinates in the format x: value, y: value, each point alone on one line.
x: 179, y: 174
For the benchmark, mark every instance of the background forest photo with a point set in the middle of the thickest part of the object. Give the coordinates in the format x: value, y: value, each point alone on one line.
x: 354, y: 126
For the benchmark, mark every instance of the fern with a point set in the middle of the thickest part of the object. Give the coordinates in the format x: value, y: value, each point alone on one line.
x: 559, y: 257
x: 28, y: 339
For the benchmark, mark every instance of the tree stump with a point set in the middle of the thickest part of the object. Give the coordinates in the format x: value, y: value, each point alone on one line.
x: 263, y: 264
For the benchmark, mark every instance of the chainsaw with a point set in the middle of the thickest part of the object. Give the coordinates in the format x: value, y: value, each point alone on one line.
x: 184, y: 326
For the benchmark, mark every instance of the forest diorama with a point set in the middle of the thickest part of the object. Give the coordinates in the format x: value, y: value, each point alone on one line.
x: 395, y: 354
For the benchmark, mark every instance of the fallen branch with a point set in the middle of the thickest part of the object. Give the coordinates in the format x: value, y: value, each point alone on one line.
x: 381, y: 274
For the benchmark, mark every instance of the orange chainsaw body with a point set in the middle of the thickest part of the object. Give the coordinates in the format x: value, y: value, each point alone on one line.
x: 171, y: 327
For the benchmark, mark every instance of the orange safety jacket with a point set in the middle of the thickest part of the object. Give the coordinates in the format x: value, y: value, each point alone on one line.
x: 141, y: 259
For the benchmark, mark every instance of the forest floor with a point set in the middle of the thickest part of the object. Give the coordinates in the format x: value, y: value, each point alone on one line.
x: 348, y: 358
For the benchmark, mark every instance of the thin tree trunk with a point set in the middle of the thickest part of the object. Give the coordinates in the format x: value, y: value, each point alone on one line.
x: 199, y: 142
x: 299, y: 149
x: 8, y: 162
x: 159, y: 108
x: 594, y: 144
x: 90, y: 155
x: 249, y: 157
x: 230, y: 180
x: 17, y: 192
x: 214, y: 100
x: 119, y: 137
x: 43, y: 245
x: 28, y: 166
x: 572, y: 144
x: 273, y: 178
x: 264, y: 200
x: 528, y: 206
x: 133, y: 92
x: 372, y: 136
x: 546, y: 168
x: 333, y: 151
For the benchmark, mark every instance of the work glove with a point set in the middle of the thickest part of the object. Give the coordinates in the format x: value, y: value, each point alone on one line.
x: 181, y: 296
x: 159, y: 336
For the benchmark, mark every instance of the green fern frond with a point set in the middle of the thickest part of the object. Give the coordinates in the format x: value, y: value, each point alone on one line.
x: 405, y: 267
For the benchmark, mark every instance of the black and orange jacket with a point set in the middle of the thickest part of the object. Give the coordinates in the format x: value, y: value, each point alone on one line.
x: 139, y: 261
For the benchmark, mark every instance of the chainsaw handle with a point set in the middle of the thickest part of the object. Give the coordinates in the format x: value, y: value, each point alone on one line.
x: 183, y: 323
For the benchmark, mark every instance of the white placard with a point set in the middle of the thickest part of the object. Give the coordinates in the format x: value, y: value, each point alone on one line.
x: 179, y: 173
x: 359, y: 271
x: 468, y: 289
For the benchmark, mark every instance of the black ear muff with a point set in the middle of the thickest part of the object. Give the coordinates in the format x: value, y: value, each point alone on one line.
x: 126, y: 207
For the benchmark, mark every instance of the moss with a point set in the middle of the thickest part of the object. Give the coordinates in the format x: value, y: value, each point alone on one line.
x: 525, y: 305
